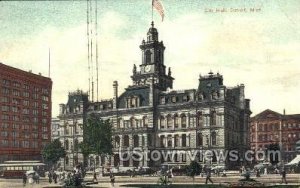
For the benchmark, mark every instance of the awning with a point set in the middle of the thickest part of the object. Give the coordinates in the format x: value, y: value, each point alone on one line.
x: 294, y: 161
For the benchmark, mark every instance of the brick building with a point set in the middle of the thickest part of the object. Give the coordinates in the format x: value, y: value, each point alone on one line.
x: 25, y: 114
x: 269, y: 127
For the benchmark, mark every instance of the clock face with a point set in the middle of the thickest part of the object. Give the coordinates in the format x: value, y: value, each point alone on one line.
x: 148, y: 68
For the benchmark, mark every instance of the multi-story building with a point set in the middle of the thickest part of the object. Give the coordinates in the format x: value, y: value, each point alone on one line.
x: 25, y: 114
x: 55, y: 128
x: 269, y: 127
x: 152, y: 118
x: 72, y: 116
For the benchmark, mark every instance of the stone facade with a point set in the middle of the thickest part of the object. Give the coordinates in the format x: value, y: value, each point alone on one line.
x: 150, y: 117
x: 71, y: 117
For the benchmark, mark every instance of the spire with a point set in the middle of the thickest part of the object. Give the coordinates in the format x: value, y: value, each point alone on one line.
x: 152, y: 34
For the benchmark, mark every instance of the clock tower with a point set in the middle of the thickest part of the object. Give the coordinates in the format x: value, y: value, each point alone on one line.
x: 152, y: 63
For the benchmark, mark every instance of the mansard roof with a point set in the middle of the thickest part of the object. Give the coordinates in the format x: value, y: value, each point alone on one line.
x: 141, y: 92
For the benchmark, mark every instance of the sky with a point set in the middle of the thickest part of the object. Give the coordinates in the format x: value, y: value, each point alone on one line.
x: 259, y: 48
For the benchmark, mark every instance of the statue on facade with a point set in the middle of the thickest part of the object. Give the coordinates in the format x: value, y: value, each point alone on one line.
x: 169, y: 72
x: 134, y: 69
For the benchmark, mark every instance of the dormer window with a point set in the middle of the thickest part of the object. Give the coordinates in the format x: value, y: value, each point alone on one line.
x: 162, y: 100
x: 133, y: 102
x: 174, y: 99
x: 186, y: 98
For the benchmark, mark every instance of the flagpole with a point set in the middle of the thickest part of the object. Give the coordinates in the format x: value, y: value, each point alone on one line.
x: 152, y: 10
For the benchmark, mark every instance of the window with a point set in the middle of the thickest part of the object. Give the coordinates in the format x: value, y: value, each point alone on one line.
x: 176, y: 140
x: 169, y: 121
x: 25, y: 144
x: 183, y: 140
x: 5, y: 108
x: 26, y: 94
x: 15, y: 126
x: 5, y: 117
x: 199, y: 120
x: 213, y: 118
x: 4, y: 134
x: 162, y: 122
x: 145, y: 121
x: 66, y: 144
x: 25, y: 111
x: 16, y: 101
x: 162, y: 100
x: 15, y: 118
x: 126, y: 141
x: 44, y: 129
x: 16, y: 93
x: 199, y: 139
x: 45, y: 136
x: 25, y: 103
x: 5, y: 82
x: 183, y: 121
x: 45, y: 98
x: 213, y: 138
x: 45, y: 106
x: 16, y: 84
x: 35, y: 112
x: 176, y: 121
x: 174, y: 99
x: 5, y: 91
x: 4, y: 99
x: 25, y: 86
x: 148, y: 56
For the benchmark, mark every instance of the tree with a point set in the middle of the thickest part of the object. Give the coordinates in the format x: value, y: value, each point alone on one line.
x: 193, y: 169
x: 97, y: 137
x: 52, y: 152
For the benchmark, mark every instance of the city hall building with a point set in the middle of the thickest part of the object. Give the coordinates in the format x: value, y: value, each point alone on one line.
x: 150, y: 116
x: 151, y: 120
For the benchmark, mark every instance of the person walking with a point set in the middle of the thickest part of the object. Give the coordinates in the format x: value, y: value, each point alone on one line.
x: 208, y: 175
x: 112, y: 180
x: 24, y: 179
x: 283, y: 174
x: 50, y: 177
x: 55, y: 177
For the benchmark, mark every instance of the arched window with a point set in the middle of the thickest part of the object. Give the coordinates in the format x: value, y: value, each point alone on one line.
x: 183, y: 121
x: 169, y: 121
x: 213, y: 138
x: 162, y: 122
x: 148, y: 56
x: 176, y: 121
x: 199, y: 120
x: 119, y: 123
x: 145, y: 121
x: 132, y: 122
x: 213, y: 117
x: 176, y: 140
x: 183, y: 137
x: 135, y: 141
x: 169, y: 141
x: 126, y: 141
x: 176, y: 157
x: 116, y: 160
x: 199, y: 139
x: 67, y: 160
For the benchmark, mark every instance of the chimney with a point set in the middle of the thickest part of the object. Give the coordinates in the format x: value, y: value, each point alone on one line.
x: 115, y: 86
x: 284, y: 112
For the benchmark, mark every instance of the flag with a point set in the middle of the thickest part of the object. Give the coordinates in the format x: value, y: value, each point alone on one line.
x: 159, y: 7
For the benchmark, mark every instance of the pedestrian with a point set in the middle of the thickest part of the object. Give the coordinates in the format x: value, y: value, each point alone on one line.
x: 50, y: 177
x: 37, y: 178
x: 257, y: 173
x: 283, y: 174
x: 112, y: 180
x: 24, y: 179
x: 95, y: 177
x: 55, y: 177
x: 208, y: 175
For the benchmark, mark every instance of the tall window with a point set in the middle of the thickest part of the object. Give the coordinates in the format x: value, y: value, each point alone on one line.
x: 145, y: 121
x: 176, y: 121
x: 66, y: 144
x: 200, y: 120
x: 213, y: 138
x: 162, y: 122
x: 213, y: 117
x: 169, y: 121
x: 183, y: 140
x: 135, y: 141
x: 117, y: 141
x: 126, y: 141
x: 176, y: 141
x: 199, y: 139
x: 183, y: 121
x: 148, y: 56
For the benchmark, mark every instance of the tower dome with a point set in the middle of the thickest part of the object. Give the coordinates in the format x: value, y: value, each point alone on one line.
x: 152, y: 34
